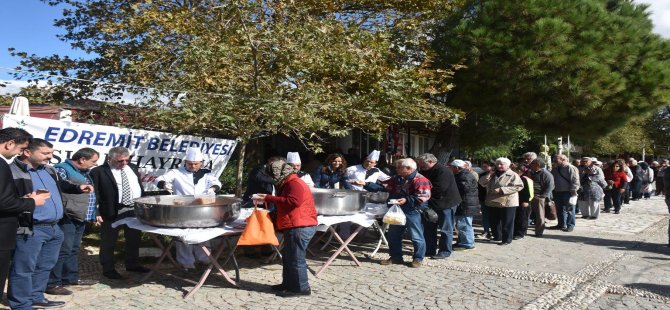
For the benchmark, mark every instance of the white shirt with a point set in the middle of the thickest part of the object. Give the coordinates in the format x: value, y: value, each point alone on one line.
x: 358, y: 172
x: 182, y: 182
x: 135, y: 187
x: 308, y: 180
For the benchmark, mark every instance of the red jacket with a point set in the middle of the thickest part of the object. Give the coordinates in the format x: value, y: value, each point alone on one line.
x: 295, y: 204
x: 618, y: 178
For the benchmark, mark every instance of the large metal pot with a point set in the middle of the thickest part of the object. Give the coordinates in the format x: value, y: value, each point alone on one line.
x: 180, y: 211
x: 377, y: 197
x: 338, y: 201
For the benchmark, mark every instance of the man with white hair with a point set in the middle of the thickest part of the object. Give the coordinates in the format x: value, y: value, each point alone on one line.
x: 502, y: 197
x: 190, y: 179
x: 412, y: 192
x: 566, y: 182
x: 636, y: 183
x: 293, y: 159
x: 366, y: 175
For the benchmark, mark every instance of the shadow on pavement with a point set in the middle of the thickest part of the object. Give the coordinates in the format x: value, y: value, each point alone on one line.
x: 623, y: 245
x: 655, y: 288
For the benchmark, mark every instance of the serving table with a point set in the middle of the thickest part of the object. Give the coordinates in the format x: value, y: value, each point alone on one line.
x: 327, y: 223
x: 194, y: 236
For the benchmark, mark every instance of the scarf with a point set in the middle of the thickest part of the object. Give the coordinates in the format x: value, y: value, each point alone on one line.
x: 279, y: 170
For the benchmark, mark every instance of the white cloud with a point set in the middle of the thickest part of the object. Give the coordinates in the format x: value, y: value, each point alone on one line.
x: 660, y: 16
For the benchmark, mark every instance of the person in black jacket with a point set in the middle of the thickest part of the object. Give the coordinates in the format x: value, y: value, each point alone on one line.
x: 259, y: 182
x: 117, y: 183
x: 444, y: 200
x: 468, y: 190
x: 12, y: 142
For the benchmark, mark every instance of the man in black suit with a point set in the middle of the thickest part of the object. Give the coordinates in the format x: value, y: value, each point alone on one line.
x: 117, y: 183
x: 12, y: 142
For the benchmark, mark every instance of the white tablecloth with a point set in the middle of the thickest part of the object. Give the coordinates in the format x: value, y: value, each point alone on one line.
x: 189, y: 235
x: 199, y: 235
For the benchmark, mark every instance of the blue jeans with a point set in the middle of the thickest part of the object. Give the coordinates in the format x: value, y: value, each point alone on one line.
x: 445, y: 224
x: 294, y: 266
x: 466, y: 235
x: 33, y: 259
x: 486, y: 219
x: 66, y: 270
x: 566, y: 211
x: 396, y: 232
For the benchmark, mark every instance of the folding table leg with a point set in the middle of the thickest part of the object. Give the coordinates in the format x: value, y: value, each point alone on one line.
x: 166, y: 253
x: 382, y: 238
x: 213, y: 263
x: 342, y: 247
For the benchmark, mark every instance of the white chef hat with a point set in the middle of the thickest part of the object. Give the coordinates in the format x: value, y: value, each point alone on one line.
x: 374, y: 155
x: 194, y: 154
x: 293, y: 158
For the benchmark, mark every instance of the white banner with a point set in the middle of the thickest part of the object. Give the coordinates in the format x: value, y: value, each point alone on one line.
x: 152, y: 151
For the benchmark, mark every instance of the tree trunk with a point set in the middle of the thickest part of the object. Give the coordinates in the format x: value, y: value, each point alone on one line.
x: 445, y: 142
x: 240, y: 169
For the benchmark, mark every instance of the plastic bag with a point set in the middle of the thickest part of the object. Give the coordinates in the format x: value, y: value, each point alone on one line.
x: 395, y: 216
x: 259, y: 229
x: 573, y: 200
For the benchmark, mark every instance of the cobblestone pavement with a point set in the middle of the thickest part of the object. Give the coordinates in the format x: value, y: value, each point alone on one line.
x: 615, y: 262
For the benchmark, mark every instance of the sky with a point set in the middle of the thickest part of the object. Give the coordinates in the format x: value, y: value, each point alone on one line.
x: 27, y: 25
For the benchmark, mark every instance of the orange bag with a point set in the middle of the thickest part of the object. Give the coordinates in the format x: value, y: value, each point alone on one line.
x: 259, y: 229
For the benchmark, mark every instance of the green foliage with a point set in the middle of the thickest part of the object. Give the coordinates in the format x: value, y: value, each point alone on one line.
x: 578, y: 67
x: 243, y: 68
x: 628, y: 139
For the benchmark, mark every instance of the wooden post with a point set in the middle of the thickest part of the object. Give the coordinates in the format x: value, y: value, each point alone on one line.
x: 240, y: 169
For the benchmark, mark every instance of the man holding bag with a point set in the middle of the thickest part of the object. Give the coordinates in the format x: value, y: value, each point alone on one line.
x: 412, y: 191
x: 296, y: 220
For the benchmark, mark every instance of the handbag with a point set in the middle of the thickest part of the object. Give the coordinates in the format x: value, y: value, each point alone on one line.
x: 500, y: 200
x: 429, y: 215
x: 550, y: 210
x: 259, y: 229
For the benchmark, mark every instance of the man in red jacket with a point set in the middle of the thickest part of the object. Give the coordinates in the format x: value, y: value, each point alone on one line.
x: 296, y: 219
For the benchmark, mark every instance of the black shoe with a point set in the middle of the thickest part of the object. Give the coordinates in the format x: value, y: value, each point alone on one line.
x: 568, y: 229
x: 539, y: 235
x: 58, y: 290
x: 517, y: 237
x: 555, y: 227
x: 277, y: 287
x: 141, y: 269
x: 114, y: 275
x: 616, y: 212
x: 294, y: 294
x: 504, y: 243
x: 606, y: 211
x: 439, y: 256
x: 47, y: 304
x: 592, y: 217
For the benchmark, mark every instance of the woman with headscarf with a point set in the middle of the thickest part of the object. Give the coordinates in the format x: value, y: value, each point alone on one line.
x: 296, y: 220
x: 333, y: 174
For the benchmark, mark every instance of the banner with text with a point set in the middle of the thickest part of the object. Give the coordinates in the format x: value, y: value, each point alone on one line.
x: 152, y: 151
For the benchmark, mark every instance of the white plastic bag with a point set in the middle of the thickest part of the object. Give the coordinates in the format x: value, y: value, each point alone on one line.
x: 573, y: 200
x: 395, y: 216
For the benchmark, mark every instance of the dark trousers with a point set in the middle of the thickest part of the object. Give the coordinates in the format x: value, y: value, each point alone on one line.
x: 108, y: 236
x: 294, y: 265
x: 521, y: 220
x: 626, y: 194
x: 66, y: 270
x: 636, y: 188
x: 445, y: 226
x: 660, y: 184
x: 616, y: 198
x: 5, y: 259
x: 502, y: 223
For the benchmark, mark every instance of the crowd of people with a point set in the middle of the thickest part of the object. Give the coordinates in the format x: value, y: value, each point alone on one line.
x: 45, y: 209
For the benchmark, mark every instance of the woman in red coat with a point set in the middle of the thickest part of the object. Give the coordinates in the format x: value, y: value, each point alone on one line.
x: 616, y: 178
x: 296, y: 219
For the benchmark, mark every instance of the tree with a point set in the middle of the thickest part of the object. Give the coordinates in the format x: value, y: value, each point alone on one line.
x: 578, y: 67
x: 245, y: 68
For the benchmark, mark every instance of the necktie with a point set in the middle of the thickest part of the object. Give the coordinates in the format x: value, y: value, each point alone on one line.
x: 126, y: 196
